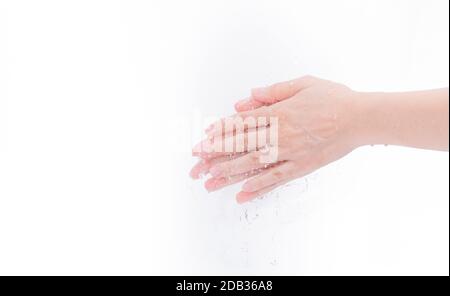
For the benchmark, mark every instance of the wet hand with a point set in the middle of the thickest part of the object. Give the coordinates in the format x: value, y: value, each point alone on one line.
x: 317, y: 123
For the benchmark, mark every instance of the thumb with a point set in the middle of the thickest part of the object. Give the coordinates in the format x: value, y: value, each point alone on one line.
x: 263, y: 96
x: 247, y: 104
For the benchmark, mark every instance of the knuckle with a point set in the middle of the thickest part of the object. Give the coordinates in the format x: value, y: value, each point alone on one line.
x: 308, y: 78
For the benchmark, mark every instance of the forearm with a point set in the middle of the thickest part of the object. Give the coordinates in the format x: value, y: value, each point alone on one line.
x: 415, y: 119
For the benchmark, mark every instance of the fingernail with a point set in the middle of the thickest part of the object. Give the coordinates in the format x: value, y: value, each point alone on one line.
x: 210, y: 127
x: 199, y: 170
x: 242, y: 103
x: 197, y: 149
x: 203, y: 146
x: 214, y: 128
x: 247, y: 187
x: 194, y: 173
x: 260, y: 92
x: 214, y: 184
x: 215, y: 171
x: 243, y: 197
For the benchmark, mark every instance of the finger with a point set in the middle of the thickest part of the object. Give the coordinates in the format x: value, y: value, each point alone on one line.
x: 202, y: 147
x: 284, y: 172
x: 209, y: 150
x: 263, y: 96
x: 243, y: 197
x: 247, y: 104
x: 214, y: 184
x: 241, y: 122
x: 282, y: 90
x: 202, y: 167
x: 247, y: 141
x: 246, y: 163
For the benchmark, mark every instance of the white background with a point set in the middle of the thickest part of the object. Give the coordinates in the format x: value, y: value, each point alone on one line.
x: 98, y: 104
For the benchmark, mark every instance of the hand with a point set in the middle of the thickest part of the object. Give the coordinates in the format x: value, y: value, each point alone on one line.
x: 316, y: 126
x: 263, y: 96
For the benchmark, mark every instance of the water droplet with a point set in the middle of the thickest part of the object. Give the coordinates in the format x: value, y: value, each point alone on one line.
x: 265, y: 149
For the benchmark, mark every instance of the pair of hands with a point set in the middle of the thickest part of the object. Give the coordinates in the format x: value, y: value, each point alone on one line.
x: 317, y: 124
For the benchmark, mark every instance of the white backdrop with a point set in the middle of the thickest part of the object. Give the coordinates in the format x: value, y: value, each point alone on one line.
x: 98, y: 104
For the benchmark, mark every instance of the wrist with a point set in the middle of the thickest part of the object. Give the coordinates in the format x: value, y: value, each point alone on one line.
x: 368, y: 119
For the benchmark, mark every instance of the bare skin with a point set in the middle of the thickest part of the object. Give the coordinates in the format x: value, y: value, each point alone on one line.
x: 320, y: 122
